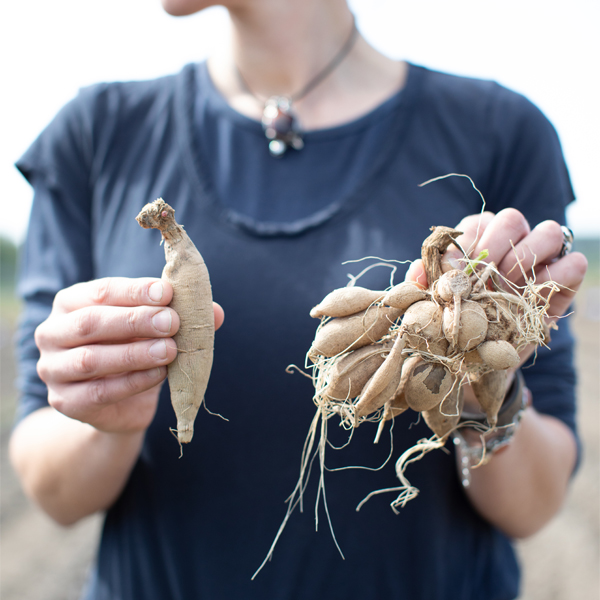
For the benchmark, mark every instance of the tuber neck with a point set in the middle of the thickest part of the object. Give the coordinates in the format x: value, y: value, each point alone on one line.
x: 171, y: 232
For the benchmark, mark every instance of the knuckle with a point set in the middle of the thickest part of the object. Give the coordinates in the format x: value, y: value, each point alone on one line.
x: 40, y: 335
x: 85, y: 361
x: 131, y: 321
x: 132, y: 383
x: 43, y: 369
x: 98, y: 392
x: 133, y: 293
x: 85, y: 322
x: 56, y: 401
x: 515, y: 220
x: 474, y: 222
x: 58, y: 298
x: 101, y: 291
x: 116, y: 290
x: 62, y: 297
x: 129, y: 357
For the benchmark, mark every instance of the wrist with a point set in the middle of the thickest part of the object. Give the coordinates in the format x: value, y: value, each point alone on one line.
x: 476, y: 443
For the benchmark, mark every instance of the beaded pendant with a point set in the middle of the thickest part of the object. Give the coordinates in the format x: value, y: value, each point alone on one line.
x: 280, y: 125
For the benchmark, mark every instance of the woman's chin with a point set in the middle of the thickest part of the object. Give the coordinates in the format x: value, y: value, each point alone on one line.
x: 182, y: 8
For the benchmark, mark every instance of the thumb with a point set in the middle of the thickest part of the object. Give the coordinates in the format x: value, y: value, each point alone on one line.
x: 416, y: 273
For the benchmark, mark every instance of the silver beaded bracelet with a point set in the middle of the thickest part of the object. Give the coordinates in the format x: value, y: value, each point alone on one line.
x: 492, y: 441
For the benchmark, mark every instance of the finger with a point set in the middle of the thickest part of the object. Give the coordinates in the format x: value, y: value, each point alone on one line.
x: 219, y: 315
x: 472, y: 227
x: 416, y: 273
x: 538, y: 248
x: 506, y: 229
x: 114, y: 291
x: 82, y: 400
x: 96, y: 324
x: 567, y: 273
x: 99, y: 360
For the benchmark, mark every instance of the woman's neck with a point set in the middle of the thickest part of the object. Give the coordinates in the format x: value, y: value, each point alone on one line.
x: 279, y: 46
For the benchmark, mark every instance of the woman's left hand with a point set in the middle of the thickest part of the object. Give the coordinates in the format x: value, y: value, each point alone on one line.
x: 507, y: 237
x: 522, y: 488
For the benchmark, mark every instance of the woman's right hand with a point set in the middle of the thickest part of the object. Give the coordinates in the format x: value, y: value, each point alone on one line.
x: 104, y: 350
x: 103, y: 355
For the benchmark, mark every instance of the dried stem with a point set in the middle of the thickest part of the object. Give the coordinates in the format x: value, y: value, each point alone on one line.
x: 433, y: 247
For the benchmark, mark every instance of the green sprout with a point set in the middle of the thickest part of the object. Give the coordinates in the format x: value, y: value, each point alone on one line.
x: 472, y: 264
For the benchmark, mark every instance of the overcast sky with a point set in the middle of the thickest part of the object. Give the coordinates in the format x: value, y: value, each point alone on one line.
x: 549, y: 50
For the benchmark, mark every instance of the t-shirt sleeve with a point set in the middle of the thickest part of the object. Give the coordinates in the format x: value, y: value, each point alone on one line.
x: 57, y: 250
x: 528, y: 172
x: 527, y: 166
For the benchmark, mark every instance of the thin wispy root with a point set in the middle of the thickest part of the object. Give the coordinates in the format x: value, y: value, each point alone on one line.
x: 407, y: 491
x: 296, y: 498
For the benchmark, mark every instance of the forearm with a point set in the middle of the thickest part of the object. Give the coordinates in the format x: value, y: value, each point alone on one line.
x: 70, y: 468
x: 520, y: 489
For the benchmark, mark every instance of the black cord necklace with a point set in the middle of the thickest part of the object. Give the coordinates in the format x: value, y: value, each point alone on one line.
x: 279, y: 121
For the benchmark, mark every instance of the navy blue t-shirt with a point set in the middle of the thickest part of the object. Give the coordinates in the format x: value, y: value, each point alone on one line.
x: 274, y: 234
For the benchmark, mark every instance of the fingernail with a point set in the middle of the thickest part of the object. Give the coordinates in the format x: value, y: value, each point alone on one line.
x: 453, y: 255
x: 452, y: 259
x: 158, y: 349
x: 162, y: 321
x: 450, y: 262
x: 156, y: 291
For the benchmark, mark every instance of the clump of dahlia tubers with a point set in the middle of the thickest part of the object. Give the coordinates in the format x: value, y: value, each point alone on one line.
x: 379, y: 353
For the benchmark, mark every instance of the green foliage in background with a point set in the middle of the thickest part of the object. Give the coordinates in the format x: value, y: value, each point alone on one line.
x: 9, y: 304
x: 8, y: 263
x: 591, y: 248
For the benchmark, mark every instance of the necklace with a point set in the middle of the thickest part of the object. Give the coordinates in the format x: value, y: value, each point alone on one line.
x: 279, y: 120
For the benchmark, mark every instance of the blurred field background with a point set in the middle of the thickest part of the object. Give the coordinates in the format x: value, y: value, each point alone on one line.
x: 41, y: 561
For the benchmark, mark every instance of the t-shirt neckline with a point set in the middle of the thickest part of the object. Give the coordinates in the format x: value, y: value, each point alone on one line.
x: 401, y: 103
x: 220, y: 104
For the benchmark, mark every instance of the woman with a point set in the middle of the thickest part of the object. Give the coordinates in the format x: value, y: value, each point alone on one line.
x: 275, y: 211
